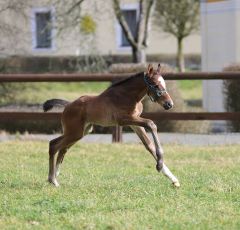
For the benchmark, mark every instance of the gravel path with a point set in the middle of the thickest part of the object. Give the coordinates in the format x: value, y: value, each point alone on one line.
x: 166, y: 138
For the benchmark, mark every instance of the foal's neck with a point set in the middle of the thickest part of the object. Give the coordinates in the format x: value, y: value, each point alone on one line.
x: 135, y: 88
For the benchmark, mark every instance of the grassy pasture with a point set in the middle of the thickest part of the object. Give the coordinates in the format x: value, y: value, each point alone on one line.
x: 190, y: 89
x: 116, y: 187
x: 40, y: 92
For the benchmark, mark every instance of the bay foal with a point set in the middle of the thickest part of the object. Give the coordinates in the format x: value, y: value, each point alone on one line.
x: 120, y: 104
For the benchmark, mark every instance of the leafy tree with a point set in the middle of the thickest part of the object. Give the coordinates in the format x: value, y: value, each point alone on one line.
x: 179, y: 18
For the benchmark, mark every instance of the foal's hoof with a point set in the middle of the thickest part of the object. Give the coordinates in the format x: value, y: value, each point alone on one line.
x: 159, y: 166
x: 53, y: 182
x: 176, y: 184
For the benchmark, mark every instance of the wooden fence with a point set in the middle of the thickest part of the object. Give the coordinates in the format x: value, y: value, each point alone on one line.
x: 117, y: 133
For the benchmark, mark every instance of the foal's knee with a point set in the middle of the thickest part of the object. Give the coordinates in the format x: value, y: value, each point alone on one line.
x: 151, y: 126
x: 53, y: 145
x: 52, y: 149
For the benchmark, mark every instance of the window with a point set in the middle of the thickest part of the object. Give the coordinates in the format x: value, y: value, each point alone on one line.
x: 130, y: 12
x: 42, y: 29
x: 131, y: 18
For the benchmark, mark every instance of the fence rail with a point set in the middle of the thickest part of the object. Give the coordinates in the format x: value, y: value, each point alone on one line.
x: 97, y: 77
x: 21, y: 78
x: 154, y: 116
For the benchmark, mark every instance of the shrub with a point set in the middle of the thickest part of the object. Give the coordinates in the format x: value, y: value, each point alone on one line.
x: 232, y: 96
x: 9, y: 91
x: 92, y: 63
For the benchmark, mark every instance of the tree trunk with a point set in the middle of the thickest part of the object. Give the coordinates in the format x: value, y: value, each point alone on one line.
x: 138, y: 55
x: 180, y: 56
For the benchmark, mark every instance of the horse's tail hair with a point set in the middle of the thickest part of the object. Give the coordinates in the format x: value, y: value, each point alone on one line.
x: 49, y: 104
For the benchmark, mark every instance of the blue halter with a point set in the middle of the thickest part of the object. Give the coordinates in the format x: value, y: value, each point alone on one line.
x: 157, y: 93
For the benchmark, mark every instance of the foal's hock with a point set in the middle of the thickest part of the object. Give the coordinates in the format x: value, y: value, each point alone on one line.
x: 120, y: 104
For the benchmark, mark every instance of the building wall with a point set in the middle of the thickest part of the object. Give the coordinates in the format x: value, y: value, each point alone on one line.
x: 73, y: 42
x: 220, y: 46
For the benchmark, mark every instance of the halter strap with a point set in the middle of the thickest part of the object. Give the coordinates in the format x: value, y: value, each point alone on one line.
x: 157, y: 93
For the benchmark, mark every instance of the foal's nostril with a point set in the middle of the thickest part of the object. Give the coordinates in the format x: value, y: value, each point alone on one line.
x: 167, y: 105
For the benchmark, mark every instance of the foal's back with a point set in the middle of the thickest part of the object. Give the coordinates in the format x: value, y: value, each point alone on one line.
x: 91, y: 109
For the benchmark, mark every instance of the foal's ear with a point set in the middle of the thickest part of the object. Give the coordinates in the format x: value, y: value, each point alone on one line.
x: 150, y: 69
x: 159, y: 68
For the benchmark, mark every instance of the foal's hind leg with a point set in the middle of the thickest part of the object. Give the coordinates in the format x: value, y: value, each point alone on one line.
x: 64, y: 143
x: 60, y: 157
x: 53, y: 148
x: 140, y: 131
x: 62, y: 152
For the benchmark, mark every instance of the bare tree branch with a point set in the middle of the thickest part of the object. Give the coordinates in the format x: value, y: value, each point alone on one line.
x: 140, y: 24
x: 77, y: 4
x: 139, y: 42
x: 147, y: 20
x: 123, y: 23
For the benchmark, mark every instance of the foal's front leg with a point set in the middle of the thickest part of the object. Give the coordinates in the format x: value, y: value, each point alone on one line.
x: 140, y: 131
x: 149, y: 145
x: 148, y: 124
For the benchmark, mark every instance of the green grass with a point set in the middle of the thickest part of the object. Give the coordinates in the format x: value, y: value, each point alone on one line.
x: 191, y: 89
x: 69, y: 91
x: 40, y: 92
x: 116, y: 187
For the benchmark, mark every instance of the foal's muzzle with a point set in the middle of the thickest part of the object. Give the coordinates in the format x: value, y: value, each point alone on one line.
x: 167, y: 105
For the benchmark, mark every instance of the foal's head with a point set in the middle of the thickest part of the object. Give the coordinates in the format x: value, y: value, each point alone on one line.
x: 157, y: 87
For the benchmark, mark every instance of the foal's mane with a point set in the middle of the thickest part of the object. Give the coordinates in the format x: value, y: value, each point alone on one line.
x: 127, y: 79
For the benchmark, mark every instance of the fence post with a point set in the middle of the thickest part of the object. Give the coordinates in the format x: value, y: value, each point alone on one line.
x: 117, y: 134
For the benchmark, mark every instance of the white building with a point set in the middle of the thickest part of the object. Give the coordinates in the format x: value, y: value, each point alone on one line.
x: 32, y: 40
x: 220, y: 31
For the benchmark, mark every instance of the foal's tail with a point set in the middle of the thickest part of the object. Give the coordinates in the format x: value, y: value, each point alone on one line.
x: 49, y: 104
